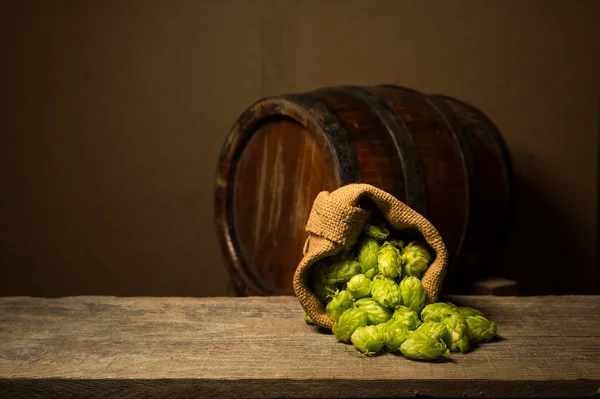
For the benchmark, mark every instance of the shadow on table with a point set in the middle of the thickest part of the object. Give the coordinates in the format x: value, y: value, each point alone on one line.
x: 442, y: 359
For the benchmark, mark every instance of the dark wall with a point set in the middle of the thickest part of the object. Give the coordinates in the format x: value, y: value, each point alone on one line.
x: 112, y: 115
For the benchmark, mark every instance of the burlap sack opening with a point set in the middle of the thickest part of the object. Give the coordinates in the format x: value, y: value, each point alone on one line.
x: 335, y: 224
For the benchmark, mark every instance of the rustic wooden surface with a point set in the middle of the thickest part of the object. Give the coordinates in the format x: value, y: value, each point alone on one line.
x: 260, y: 347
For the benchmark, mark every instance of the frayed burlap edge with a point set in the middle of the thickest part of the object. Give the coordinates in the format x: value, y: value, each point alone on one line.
x: 335, y: 224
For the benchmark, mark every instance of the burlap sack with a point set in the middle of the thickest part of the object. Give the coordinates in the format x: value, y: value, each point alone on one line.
x: 335, y: 224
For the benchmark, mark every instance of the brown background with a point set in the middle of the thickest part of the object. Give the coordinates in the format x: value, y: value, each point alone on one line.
x: 112, y: 115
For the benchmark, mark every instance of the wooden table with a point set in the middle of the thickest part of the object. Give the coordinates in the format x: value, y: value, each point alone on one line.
x: 260, y: 347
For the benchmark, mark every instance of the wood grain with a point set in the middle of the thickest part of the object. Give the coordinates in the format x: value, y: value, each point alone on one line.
x: 280, y: 173
x: 272, y: 176
x: 260, y: 347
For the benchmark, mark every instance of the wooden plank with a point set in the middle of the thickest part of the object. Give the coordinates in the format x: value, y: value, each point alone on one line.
x: 288, y: 388
x: 261, y: 347
x: 495, y: 286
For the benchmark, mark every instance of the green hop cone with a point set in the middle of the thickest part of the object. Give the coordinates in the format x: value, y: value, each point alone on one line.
x: 394, y: 334
x: 406, y: 316
x: 438, y: 311
x: 340, y: 302
x: 457, y: 333
x: 413, y: 294
x: 348, y: 322
x: 341, y: 271
x: 433, y: 329
x: 368, y: 339
x: 481, y: 329
x: 385, y: 291
x: 368, y: 250
x: 359, y: 286
x: 379, y: 233
x: 420, y: 346
x: 469, y: 312
x: 376, y: 314
x: 388, y: 260
x: 381, y: 327
x: 307, y: 319
x: 415, y: 259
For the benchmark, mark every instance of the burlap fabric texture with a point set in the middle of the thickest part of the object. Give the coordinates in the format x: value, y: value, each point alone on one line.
x: 335, y: 224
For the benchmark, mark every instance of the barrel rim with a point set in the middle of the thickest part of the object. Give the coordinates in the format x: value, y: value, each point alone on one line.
x: 317, y: 120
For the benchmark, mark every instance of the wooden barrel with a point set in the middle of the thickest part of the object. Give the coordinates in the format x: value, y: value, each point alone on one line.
x: 442, y: 157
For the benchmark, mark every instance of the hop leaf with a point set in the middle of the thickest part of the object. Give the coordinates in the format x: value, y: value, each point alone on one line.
x: 385, y: 291
x: 406, y: 316
x: 341, y: 271
x: 481, y: 329
x: 341, y: 302
x: 368, y: 339
x: 379, y: 233
x: 469, y: 312
x: 433, y: 329
x: 413, y: 293
x: 307, y: 319
x: 457, y: 333
x: 359, y: 286
x: 437, y: 311
x: 376, y: 314
x: 348, y: 322
x: 415, y: 259
x: 420, y: 346
x: 388, y: 260
x: 394, y: 334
